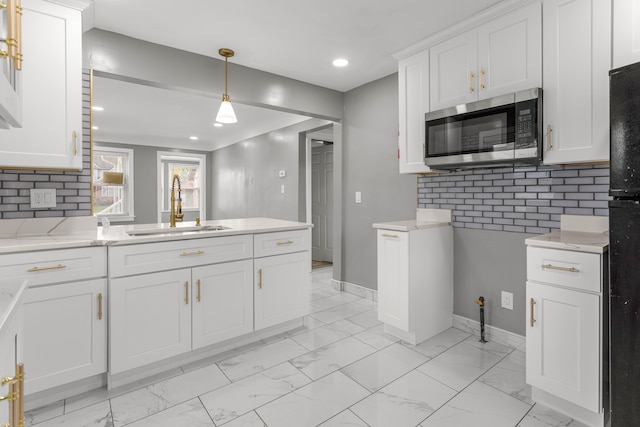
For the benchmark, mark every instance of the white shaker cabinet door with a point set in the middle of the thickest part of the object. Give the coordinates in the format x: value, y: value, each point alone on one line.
x: 65, y: 333
x: 282, y: 286
x: 393, y: 278
x: 576, y: 64
x: 222, y: 297
x: 626, y: 37
x: 151, y: 318
x: 51, y: 132
x: 563, y: 344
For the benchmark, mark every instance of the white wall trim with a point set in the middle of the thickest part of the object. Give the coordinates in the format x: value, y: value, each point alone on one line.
x: 492, y: 334
x: 354, y: 289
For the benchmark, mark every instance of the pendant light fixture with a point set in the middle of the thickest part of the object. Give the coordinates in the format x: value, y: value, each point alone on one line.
x: 226, y: 113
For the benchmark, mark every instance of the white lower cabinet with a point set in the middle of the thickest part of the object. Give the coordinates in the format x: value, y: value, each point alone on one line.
x: 282, y: 291
x: 222, y: 298
x: 65, y: 330
x: 415, y: 282
x: 151, y: 318
x: 565, y: 363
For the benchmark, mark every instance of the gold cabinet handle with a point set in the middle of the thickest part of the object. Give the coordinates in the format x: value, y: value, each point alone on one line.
x: 482, y: 73
x: 532, y: 320
x: 393, y: 236
x: 186, y: 293
x: 549, y: 144
x: 471, y: 76
x: 15, y: 397
x: 198, y: 296
x: 74, y: 138
x: 17, y: 36
x: 555, y: 267
x: 288, y: 242
x: 52, y: 267
x: 260, y: 279
x: 100, y: 306
x: 198, y: 252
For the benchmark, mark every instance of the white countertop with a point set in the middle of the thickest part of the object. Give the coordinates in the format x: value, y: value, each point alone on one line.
x: 583, y: 233
x: 572, y: 240
x: 425, y: 218
x: 65, y: 233
x: 11, y: 293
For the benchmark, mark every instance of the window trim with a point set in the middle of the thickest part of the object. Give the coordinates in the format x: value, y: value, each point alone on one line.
x: 171, y: 156
x: 129, y: 184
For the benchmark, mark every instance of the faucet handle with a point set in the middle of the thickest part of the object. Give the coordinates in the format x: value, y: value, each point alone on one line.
x: 197, y: 221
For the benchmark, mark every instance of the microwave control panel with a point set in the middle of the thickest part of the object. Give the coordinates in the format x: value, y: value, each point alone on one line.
x: 526, y: 129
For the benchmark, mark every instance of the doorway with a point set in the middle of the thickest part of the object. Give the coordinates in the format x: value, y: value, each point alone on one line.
x: 322, y: 196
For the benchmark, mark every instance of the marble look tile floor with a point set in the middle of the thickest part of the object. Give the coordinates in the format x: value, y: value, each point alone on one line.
x: 340, y: 369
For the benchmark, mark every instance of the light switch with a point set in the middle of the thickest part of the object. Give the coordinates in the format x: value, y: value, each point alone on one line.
x: 358, y: 197
x: 282, y: 189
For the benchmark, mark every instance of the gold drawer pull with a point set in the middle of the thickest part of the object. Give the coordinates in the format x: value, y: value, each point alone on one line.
x: 74, y: 137
x: 532, y: 320
x: 394, y: 236
x: 198, y: 296
x: 198, y: 252
x: 471, y: 76
x: 260, y: 279
x: 186, y: 293
x: 52, y: 267
x: 549, y: 143
x: 100, y: 306
x: 555, y: 267
x: 288, y: 242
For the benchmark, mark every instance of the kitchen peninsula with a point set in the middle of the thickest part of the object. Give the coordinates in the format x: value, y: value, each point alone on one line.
x: 169, y: 295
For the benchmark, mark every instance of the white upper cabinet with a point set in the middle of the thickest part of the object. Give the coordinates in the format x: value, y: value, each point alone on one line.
x: 626, y: 37
x: 51, y: 132
x: 576, y: 64
x: 500, y: 56
x: 10, y: 75
x: 413, y: 85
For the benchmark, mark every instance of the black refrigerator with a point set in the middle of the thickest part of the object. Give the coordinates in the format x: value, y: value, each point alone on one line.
x: 624, y: 246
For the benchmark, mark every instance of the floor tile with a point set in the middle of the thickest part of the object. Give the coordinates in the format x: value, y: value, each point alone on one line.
x: 340, y: 312
x: 380, y: 368
x: 344, y: 419
x: 541, y: 416
x: 441, y: 342
x: 368, y: 319
x: 261, y: 358
x: 479, y: 406
x: 459, y: 366
x: 325, y: 360
x: 44, y: 413
x: 238, y: 398
x: 320, y: 337
x: 314, y: 403
x: 190, y: 413
x: 405, y: 402
x: 222, y: 356
x: 491, y: 347
x: 248, y: 420
x: 160, y: 396
x: 376, y: 337
x: 98, y: 415
x: 508, y: 376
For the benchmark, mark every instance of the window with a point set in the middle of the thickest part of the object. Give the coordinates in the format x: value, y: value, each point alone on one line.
x: 113, y: 183
x: 191, y: 171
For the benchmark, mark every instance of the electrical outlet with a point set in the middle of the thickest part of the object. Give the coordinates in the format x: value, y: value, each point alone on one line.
x: 43, y: 197
x: 507, y: 300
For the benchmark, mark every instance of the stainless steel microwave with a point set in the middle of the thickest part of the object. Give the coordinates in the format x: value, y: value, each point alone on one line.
x: 504, y: 130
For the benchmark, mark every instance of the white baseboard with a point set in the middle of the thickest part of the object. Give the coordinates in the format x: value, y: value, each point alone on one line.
x: 492, y: 334
x: 354, y: 289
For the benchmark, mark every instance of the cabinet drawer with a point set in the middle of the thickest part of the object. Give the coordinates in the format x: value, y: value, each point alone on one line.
x: 48, y: 267
x: 571, y: 269
x: 151, y: 257
x: 281, y: 242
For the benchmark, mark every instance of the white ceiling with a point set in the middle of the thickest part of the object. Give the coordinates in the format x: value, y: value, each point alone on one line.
x: 293, y: 38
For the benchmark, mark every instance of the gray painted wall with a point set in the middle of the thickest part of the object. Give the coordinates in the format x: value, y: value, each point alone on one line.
x: 145, y: 179
x: 246, y: 182
x: 486, y: 263
x: 370, y: 165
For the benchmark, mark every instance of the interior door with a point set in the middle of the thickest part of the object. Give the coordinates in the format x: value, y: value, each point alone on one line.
x: 322, y: 202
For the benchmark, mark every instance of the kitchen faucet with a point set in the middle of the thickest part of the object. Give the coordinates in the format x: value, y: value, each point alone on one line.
x: 176, y: 216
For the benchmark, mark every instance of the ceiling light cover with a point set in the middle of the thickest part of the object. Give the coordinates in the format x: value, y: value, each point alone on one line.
x: 226, y: 113
x: 340, y: 62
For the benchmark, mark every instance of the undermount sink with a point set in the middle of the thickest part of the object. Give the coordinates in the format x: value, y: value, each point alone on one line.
x: 165, y: 229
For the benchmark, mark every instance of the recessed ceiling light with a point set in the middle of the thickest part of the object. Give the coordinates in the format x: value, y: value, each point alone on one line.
x: 97, y: 108
x: 95, y: 127
x: 340, y: 62
x: 218, y: 125
x: 193, y: 138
